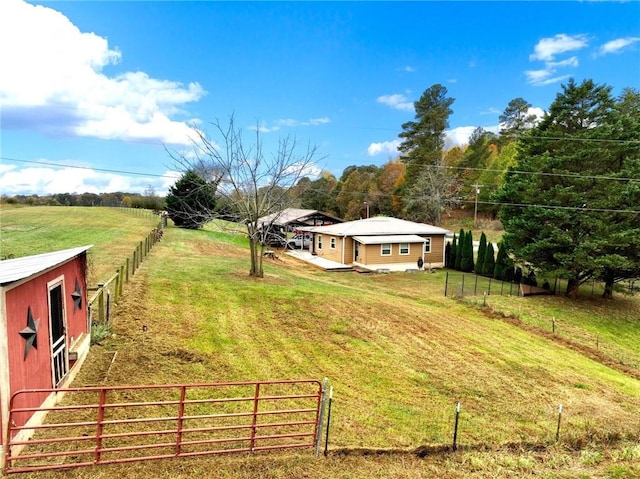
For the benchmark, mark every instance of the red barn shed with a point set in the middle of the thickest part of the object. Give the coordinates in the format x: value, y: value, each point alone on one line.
x: 44, y: 330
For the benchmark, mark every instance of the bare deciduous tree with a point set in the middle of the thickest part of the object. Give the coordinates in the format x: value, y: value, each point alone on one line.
x: 251, y: 184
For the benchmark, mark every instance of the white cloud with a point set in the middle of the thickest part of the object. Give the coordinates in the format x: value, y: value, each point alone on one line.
x: 544, y: 77
x: 319, y: 121
x: 290, y: 123
x: 389, y: 148
x: 62, y: 87
x: 547, y: 48
x: 47, y: 180
x: 407, y: 68
x: 396, y: 101
x: 458, y: 136
x: 616, y: 46
x: 569, y: 62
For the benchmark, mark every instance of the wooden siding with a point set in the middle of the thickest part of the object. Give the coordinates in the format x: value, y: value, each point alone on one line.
x: 327, y: 252
x: 436, y: 256
x: 35, y: 370
x: 371, y: 254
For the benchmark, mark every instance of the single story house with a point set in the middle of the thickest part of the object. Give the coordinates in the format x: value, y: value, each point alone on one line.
x: 44, y: 331
x: 381, y: 242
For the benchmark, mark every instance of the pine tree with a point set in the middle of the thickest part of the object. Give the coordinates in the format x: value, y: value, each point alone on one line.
x: 499, y: 270
x: 571, y: 170
x: 191, y: 201
x: 459, y: 249
x: 466, y: 262
x: 482, y: 248
x: 489, y: 262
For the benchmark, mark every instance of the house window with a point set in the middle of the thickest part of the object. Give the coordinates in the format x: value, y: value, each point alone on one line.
x: 319, y: 241
x: 385, y: 249
x: 427, y: 245
x: 333, y: 243
x: 404, y: 248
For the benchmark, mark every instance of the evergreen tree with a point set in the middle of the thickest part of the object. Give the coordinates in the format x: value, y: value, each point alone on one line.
x: 482, y: 248
x: 452, y: 253
x: 489, y: 262
x: 423, y: 140
x: 191, y: 201
x: 459, y: 250
x: 579, y: 221
x: 466, y: 262
x: 499, y: 270
x: 447, y: 255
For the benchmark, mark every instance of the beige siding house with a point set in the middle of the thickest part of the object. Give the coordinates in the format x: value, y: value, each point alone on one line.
x: 381, y: 243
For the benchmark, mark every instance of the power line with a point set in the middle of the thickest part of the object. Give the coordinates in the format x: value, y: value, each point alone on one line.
x: 104, y: 170
x: 371, y: 195
x: 462, y: 168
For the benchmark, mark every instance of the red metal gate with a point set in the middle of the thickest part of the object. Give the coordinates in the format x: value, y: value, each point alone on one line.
x: 106, y: 425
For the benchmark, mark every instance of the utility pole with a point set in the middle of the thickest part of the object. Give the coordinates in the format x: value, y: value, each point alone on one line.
x: 366, y: 204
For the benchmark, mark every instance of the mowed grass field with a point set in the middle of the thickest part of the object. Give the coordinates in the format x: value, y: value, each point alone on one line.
x: 397, y: 352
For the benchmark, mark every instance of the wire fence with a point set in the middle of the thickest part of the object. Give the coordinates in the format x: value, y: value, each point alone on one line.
x: 458, y: 284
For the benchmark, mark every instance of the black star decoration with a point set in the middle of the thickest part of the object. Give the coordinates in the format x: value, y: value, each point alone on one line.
x: 30, y: 333
x: 77, y: 297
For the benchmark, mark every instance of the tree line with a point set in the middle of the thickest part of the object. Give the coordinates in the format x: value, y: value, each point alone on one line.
x: 149, y: 200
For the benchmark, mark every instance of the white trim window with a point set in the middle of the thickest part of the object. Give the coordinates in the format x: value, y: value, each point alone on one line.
x: 403, y: 248
x: 332, y: 243
x: 427, y: 245
x: 319, y: 241
x: 385, y: 249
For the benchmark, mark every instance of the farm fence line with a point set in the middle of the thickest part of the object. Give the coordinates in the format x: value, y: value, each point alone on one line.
x: 99, y: 305
x: 458, y: 284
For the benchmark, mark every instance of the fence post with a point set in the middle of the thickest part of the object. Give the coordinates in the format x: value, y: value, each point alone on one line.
x: 326, y: 435
x: 559, y: 420
x: 463, y: 285
x: 446, y: 284
x: 489, y: 292
x: 475, y: 287
x: 323, y: 399
x: 128, y: 265
x: 108, y: 314
x: 455, y: 428
x: 121, y: 276
x: 116, y: 289
x: 101, y: 302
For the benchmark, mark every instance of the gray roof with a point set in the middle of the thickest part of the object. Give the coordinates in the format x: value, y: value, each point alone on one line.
x: 291, y: 215
x: 20, y: 268
x: 389, y: 239
x: 379, y: 225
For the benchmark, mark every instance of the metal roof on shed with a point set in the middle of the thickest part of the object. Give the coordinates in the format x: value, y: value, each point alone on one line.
x: 382, y: 239
x: 20, y: 268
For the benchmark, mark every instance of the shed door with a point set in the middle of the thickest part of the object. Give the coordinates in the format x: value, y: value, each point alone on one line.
x: 59, y: 356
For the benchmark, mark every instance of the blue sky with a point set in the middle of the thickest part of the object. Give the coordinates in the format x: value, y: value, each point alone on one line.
x: 92, y: 92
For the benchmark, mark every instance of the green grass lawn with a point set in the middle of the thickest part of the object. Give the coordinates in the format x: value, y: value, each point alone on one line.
x: 114, y: 232
x: 397, y: 352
